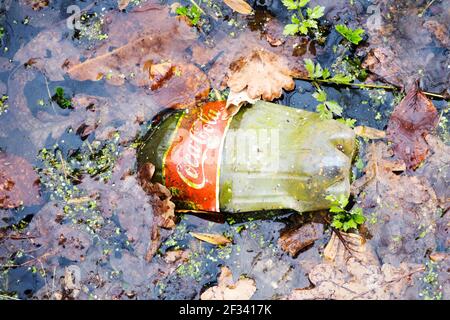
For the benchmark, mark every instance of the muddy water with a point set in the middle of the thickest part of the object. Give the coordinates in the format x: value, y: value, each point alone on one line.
x: 104, y: 238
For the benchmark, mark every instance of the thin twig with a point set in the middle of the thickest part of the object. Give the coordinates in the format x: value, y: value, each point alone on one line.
x: 63, y: 164
x: 198, y: 7
x: 79, y: 200
x: 5, y: 297
x: 426, y: 8
x: 49, y: 94
x: 371, y: 86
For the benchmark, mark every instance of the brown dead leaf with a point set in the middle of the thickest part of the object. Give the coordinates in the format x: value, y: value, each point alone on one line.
x: 240, y: 6
x: 217, y: 239
x: 402, y: 49
x: 382, y: 63
x: 369, y: 133
x: 36, y: 4
x: 293, y: 241
x: 176, y: 256
x: 439, y: 30
x: 227, y: 50
x: 163, y: 208
x: 226, y: 289
x: 261, y: 74
x: 439, y: 256
x: 437, y: 170
x: 410, y: 122
x: 403, y: 206
x: 19, y: 184
x: 273, y: 32
x: 122, y: 4
x: 37, y: 50
x: 149, y: 55
x: 336, y: 251
x: 356, y: 274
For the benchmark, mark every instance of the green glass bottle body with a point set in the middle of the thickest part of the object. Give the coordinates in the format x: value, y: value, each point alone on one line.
x: 273, y: 157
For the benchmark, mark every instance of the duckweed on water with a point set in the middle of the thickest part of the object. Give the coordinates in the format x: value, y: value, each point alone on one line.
x: 91, y: 28
x: 432, y: 289
x: 59, y: 177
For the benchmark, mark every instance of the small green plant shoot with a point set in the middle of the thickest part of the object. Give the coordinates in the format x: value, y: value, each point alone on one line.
x: 354, y: 36
x: 343, y: 219
x: 303, y: 19
x: 61, y: 100
x: 192, y: 13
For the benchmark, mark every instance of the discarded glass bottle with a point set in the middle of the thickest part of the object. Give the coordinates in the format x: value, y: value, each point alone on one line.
x: 265, y: 157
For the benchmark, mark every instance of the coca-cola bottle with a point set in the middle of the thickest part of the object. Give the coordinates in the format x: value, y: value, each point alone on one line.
x: 265, y: 157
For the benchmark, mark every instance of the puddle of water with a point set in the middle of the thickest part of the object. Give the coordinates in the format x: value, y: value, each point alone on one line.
x: 107, y: 235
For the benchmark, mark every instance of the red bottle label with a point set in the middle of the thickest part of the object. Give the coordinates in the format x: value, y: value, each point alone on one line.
x: 191, y: 163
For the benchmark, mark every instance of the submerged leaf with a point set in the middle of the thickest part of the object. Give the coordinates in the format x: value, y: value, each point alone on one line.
x: 353, y: 271
x: 226, y: 289
x: 19, y: 184
x: 150, y: 56
x: 410, y: 122
x: 293, y: 241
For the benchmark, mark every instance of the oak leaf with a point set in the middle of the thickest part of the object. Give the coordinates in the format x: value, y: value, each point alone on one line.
x: 353, y: 271
x: 259, y: 75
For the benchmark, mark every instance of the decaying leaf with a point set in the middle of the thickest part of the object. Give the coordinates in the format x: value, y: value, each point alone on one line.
x: 163, y: 208
x: 411, y: 121
x: 148, y: 57
x: 226, y: 289
x: 228, y: 50
x: 404, y: 48
x: 260, y: 75
x: 382, y: 63
x: 369, y: 133
x: 439, y: 256
x: 437, y: 170
x: 36, y: 4
x: 240, y: 6
x: 19, y: 184
x: 336, y: 250
x: 63, y: 53
x: 439, y: 30
x: 293, y: 241
x: 401, y: 208
x: 176, y: 256
x: 122, y: 4
x: 217, y: 239
x: 273, y: 32
x: 355, y: 273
